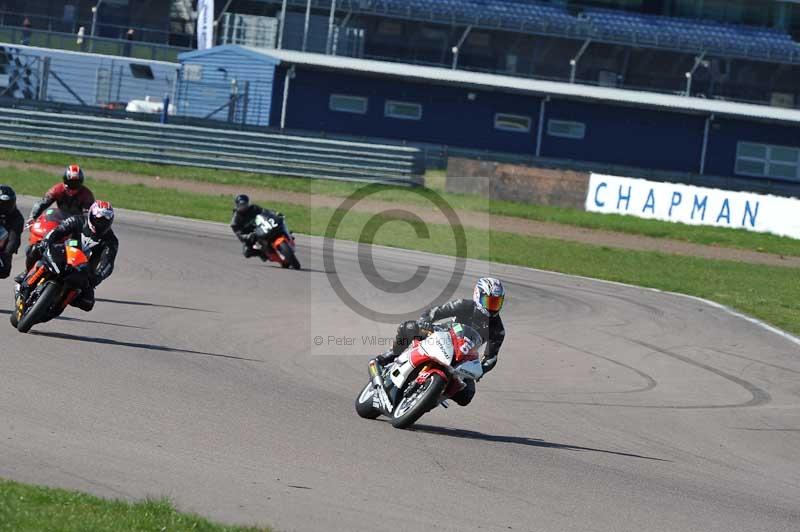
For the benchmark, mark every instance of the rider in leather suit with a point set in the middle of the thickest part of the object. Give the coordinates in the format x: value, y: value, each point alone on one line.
x: 482, y: 313
x: 13, y: 222
x: 243, y: 224
x: 97, y: 240
x: 71, y: 197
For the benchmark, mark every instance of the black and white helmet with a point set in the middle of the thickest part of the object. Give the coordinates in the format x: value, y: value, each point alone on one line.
x: 489, y: 295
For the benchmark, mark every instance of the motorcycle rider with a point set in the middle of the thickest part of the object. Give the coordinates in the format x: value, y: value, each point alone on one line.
x: 98, y: 241
x: 243, y: 223
x: 71, y: 196
x: 12, y: 222
x: 482, y: 313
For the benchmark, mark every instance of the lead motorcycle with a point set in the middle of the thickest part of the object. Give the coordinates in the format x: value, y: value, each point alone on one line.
x: 53, y: 283
x: 423, y: 376
x: 274, y: 241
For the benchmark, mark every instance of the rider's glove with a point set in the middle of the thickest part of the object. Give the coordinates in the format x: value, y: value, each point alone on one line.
x: 424, y: 325
x: 250, y: 239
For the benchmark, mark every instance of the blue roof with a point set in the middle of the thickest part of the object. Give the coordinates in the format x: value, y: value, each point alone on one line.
x: 251, y: 53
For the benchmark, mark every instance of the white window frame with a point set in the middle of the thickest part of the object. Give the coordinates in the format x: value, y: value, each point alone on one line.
x: 388, y: 114
x: 351, y: 97
x: 578, y: 136
x: 497, y: 117
x: 767, y: 160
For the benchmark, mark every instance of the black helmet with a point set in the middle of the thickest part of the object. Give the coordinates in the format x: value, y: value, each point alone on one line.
x: 8, y: 200
x: 242, y: 202
x: 73, y: 177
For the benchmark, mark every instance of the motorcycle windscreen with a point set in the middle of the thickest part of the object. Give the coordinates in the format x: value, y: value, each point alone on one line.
x: 46, y: 222
x: 439, y: 346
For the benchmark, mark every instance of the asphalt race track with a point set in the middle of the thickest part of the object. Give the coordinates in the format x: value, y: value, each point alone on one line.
x: 198, y: 377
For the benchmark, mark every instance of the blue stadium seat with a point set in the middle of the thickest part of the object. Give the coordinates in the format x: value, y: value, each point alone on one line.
x: 715, y: 37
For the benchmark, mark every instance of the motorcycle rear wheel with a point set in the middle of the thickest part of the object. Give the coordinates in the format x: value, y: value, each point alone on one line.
x: 411, y: 408
x: 38, y: 312
x: 364, y: 406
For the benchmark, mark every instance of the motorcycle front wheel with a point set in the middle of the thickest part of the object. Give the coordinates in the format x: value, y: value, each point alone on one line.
x: 289, y: 257
x: 416, y: 403
x: 364, y: 406
x: 38, y: 311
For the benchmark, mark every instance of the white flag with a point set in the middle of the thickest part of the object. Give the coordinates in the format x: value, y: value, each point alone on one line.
x: 205, y: 24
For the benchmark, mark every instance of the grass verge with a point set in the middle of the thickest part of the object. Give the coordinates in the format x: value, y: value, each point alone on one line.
x: 26, y: 508
x: 714, y: 236
x: 767, y: 292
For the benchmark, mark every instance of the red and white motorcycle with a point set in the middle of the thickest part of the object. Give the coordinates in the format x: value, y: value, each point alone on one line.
x: 424, y: 375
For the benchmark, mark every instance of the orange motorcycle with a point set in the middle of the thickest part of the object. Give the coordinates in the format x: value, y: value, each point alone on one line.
x: 274, y: 241
x: 53, y: 283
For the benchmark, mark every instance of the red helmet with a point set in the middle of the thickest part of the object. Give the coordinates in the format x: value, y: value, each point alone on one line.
x: 73, y: 178
x: 100, y: 217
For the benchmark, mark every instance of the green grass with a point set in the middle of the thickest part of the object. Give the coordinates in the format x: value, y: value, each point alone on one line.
x: 25, y: 508
x: 715, y: 236
x: 767, y: 292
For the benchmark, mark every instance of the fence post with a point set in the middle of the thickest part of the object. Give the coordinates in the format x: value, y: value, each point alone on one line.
x: 165, y: 109
x: 245, y: 102
x: 232, y: 101
x: 45, y: 76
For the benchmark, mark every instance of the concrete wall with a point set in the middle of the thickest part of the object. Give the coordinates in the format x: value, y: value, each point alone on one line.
x: 542, y: 186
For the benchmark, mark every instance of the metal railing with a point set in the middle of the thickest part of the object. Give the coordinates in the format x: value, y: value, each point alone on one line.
x: 211, y: 148
x: 98, y: 45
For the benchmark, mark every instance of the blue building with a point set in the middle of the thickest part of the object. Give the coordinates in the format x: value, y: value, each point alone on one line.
x: 82, y: 78
x: 609, y: 126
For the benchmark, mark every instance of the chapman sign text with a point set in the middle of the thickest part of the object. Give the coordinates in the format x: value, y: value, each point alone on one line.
x: 694, y: 205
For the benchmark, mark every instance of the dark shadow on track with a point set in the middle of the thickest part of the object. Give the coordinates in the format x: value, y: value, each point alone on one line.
x: 519, y: 440
x: 135, y: 345
x: 79, y: 320
x: 146, y: 304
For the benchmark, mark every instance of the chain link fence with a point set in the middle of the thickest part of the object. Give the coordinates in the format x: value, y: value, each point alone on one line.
x: 123, y: 84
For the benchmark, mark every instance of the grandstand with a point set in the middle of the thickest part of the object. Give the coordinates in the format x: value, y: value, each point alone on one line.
x: 730, y: 50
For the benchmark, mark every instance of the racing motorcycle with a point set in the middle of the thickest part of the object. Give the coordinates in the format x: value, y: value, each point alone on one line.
x: 423, y: 376
x: 54, y: 281
x: 274, y: 241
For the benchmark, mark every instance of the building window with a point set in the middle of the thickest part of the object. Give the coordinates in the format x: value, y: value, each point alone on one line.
x: 567, y: 130
x: 348, y: 104
x: 403, y: 110
x: 764, y: 160
x: 516, y: 123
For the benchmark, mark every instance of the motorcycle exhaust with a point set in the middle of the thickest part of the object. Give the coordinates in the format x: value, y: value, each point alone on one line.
x: 375, y: 374
x: 377, y: 382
